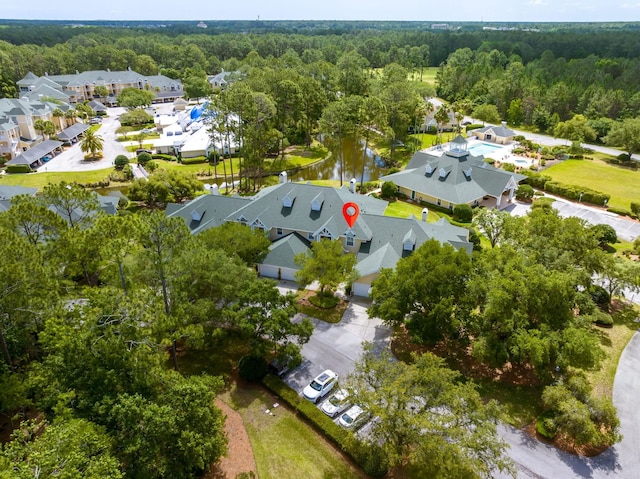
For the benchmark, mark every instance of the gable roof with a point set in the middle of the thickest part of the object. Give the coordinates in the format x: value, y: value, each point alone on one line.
x: 501, y: 131
x: 72, y: 131
x: 283, y: 251
x: 34, y: 153
x: 210, y: 209
x: 7, y: 191
x: 269, y: 207
x: 457, y: 178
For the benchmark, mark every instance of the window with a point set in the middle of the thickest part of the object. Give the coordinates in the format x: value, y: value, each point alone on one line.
x: 350, y: 241
x: 310, y: 236
x: 439, y: 203
x: 279, y: 231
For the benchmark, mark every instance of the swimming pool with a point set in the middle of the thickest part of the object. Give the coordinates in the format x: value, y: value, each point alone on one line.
x: 483, y: 149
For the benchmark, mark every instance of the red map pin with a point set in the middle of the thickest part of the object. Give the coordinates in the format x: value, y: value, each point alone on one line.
x: 350, y: 211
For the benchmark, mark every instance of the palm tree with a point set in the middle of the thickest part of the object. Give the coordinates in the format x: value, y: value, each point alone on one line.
x: 38, y: 125
x: 442, y: 117
x: 91, y: 143
x: 49, y: 128
x: 70, y: 114
x: 58, y: 114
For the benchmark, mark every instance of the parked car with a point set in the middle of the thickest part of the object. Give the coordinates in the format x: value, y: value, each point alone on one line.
x: 96, y: 120
x: 143, y: 150
x: 281, y: 365
x: 353, y: 418
x: 336, y: 403
x: 320, y: 386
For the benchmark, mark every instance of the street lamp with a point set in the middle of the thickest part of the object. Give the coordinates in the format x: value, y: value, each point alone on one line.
x: 580, y: 199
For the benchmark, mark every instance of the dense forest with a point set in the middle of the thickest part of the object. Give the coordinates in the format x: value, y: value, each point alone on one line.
x: 539, y: 76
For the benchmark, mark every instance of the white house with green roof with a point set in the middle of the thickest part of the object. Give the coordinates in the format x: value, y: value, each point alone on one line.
x: 293, y: 215
x: 454, y: 177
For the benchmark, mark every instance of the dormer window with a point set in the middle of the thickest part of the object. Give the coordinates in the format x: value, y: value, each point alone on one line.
x: 316, y: 203
x: 310, y: 236
x: 467, y: 173
x: 242, y: 220
x: 428, y: 169
x: 409, y: 241
x: 443, y: 173
x: 196, y: 215
x: 287, y: 201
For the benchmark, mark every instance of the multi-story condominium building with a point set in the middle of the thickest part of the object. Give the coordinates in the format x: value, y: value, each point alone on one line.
x: 80, y: 87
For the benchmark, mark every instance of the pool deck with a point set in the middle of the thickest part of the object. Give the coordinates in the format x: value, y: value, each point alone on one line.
x: 500, y: 153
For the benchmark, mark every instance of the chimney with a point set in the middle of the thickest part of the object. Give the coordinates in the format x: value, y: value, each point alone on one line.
x: 352, y: 185
x: 283, y: 177
x: 425, y: 214
x: 504, y: 124
x: 213, y: 190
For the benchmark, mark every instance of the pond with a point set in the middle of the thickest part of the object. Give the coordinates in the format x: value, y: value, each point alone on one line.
x: 330, y: 168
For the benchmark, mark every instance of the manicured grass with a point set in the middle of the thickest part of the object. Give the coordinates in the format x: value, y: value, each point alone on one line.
x: 613, y: 341
x: 427, y: 140
x: 402, y: 209
x: 620, y: 183
x: 40, y: 180
x: 331, y: 183
x: 283, y: 445
x: 301, y: 156
x: 428, y: 75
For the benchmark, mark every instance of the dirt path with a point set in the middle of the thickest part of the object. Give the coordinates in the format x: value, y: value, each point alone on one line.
x: 239, y: 456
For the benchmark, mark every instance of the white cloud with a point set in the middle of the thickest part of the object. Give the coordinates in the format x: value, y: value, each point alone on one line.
x: 537, y: 3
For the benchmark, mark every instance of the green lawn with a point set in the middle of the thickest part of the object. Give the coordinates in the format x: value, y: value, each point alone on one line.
x: 620, y: 183
x: 283, y: 445
x: 401, y: 209
x: 428, y: 75
x: 39, y: 180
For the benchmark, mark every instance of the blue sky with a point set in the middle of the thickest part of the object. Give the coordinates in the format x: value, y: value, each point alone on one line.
x: 423, y: 10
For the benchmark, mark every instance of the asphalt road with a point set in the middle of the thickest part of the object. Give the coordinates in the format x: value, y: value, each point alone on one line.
x: 72, y: 159
x: 338, y: 346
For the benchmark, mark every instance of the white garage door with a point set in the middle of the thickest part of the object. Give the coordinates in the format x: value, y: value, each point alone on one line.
x: 361, y: 289
x: 269, y: 271
x: 288, y: 274
x: 276, y: 272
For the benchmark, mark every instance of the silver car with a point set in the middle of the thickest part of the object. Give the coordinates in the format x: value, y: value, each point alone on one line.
x: 336, y: 403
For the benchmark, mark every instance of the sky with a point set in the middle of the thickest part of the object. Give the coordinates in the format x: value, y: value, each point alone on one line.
x: 420, y: 10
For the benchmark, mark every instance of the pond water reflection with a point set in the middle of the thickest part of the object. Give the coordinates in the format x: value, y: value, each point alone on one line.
x: 351, y: 165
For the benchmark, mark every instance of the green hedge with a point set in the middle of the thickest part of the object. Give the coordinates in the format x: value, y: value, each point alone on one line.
x: 162, y: 156
x: 635, y: 208
x: 571, y: 192
x: 194, y: 161
x: 370, y: 457
x: 620, y: 211
x: 18, y: 169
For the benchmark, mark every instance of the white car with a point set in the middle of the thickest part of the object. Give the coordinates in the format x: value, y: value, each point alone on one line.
x: 353, y: 418
x: 336, y: 403
x: 320, y: 386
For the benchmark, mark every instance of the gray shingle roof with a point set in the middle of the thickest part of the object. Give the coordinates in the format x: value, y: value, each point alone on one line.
x: 7, y: 192
x: 72, y: 131
x: 283, y: 251
x: 35, y: 153
x: 501, y: 131
x: 455, y: 179
x: 269, y: 209
x: 211, y: 209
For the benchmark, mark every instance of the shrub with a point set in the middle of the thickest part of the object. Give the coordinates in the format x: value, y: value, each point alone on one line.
x: 120, y: 162
x: 509, y: 167
x: 151, y: 166
x: 389, y: 189
x: 252, y: 368
x: 490, y: 161
x: 623, y: 157
x: 194, y: 161
x: 606, y: 234
x: 601, y: 318
x: 162, y: 156
x: 600, y: 296
x: 463, y: 213
x: 474, y: 126
x: 123, y: 202
x: 144, y: 158
x: 324, y: 301
x: 546, y: 425
x: 18, y: 169
x: 524, y: 193
x: 635, y: 208
x: 620, y: 211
